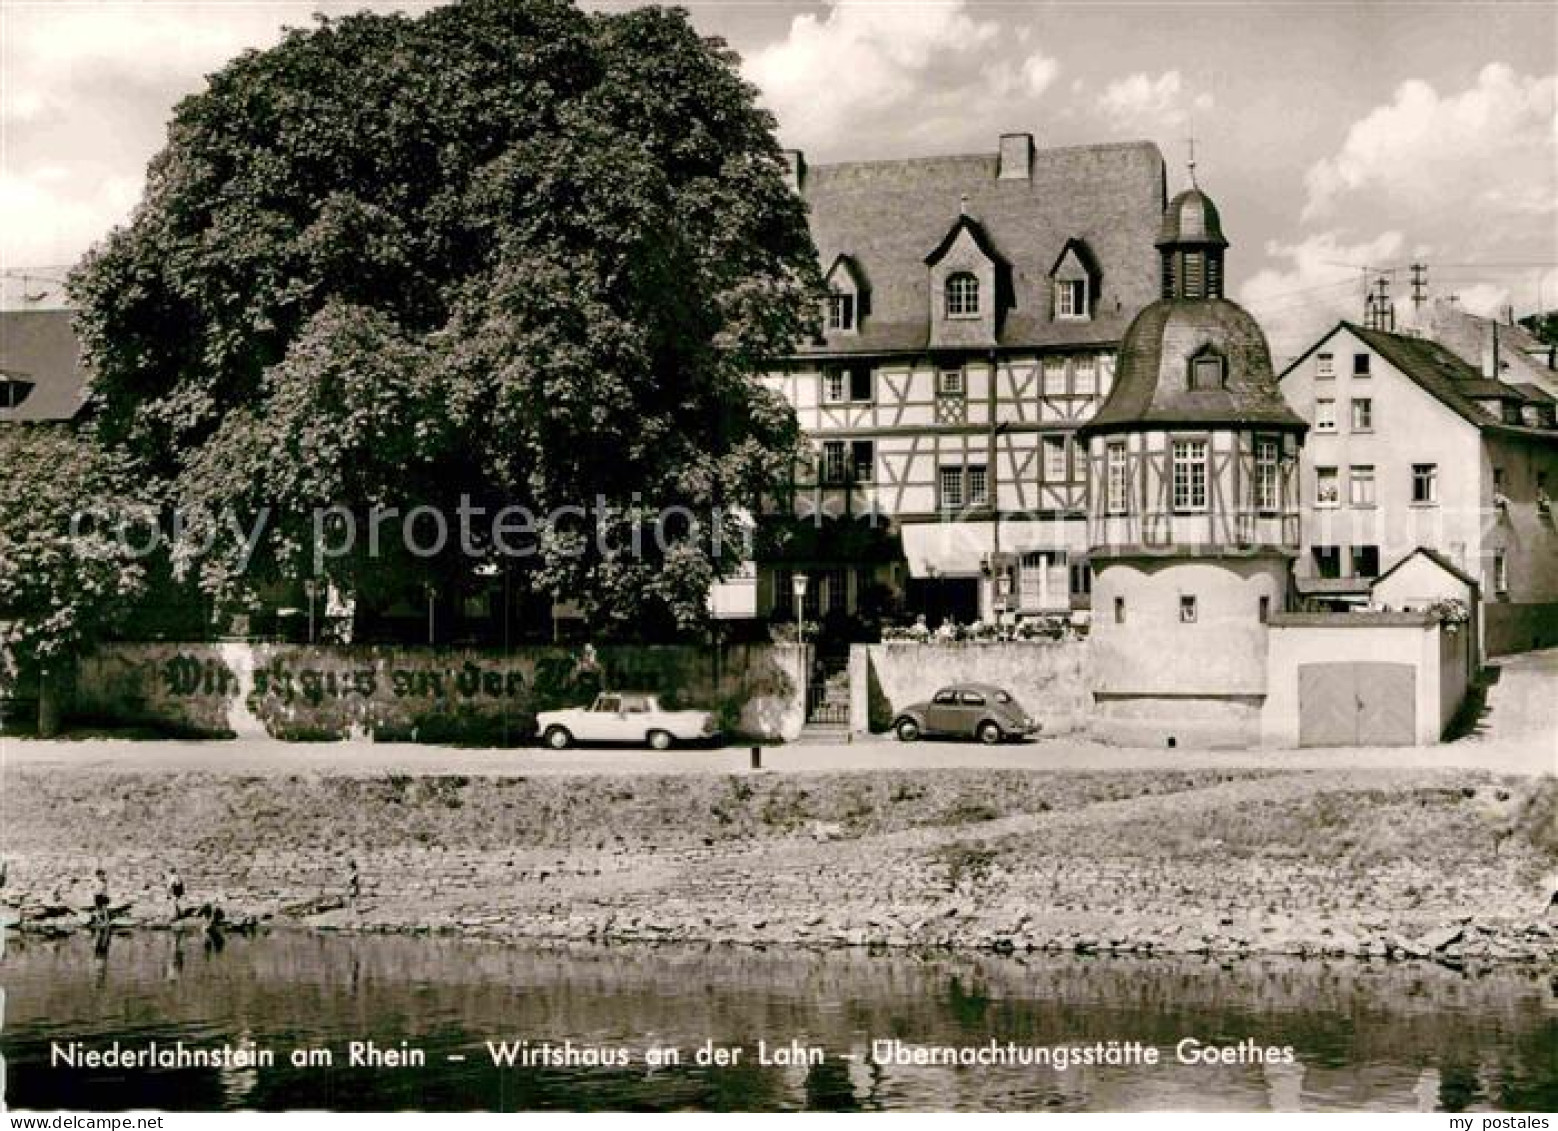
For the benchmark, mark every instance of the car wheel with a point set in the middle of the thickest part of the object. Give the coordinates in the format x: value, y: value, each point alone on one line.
x: 908, y: 730
x: 989, y: 733
x: 659, y: 740
x: 558, y: 738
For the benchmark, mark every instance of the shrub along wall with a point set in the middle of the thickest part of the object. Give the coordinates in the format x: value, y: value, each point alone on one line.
x: 422, y: 694
x: 1048, y: 677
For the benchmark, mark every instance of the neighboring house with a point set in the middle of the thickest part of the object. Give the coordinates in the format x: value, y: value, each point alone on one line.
x: 976, y: 305
x: 1411, y: 446
x: 41, y: 376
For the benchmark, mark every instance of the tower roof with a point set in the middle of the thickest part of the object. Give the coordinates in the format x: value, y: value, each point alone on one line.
x: 1191, y: 218
x: 1152, y: 377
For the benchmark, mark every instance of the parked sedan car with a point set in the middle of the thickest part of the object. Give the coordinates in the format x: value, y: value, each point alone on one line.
x: 625, y: 717
x: 966, y: 710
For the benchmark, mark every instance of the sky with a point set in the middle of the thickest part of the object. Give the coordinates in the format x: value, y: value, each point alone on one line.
x: 1338, y: 140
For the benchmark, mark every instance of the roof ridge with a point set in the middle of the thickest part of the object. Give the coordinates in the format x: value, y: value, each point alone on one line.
x: 990, y: 155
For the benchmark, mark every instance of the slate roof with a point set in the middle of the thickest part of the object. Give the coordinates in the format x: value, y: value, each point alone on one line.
x: 1437, y: 370
x: 890, y: 215
x: 1191, y: 218
x: 39, y: 348
x: 1151, y: 387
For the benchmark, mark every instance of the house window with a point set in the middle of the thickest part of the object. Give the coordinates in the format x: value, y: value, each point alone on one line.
x: 978, y: 484
x: 1498, y: 482
x: 1055, y: 459
x: 833, y: 466
x: 1362, y: 414
x: 1327, y: 493
x: 1119, y: 610
x: 1265, y: 610
x: 1325, y: 365
x: 860, y: 383
x: 1328, y: 561
x: 862, y: 460
x: 833, y: 386
x: 1360, y: 365
x: 949, y: 382
x: 1084, y: 375
x: 1054, y: 376
x: 951, y: 488
x: 1365, y: 561
x: 1071, y: 298
x: 1268, y: 454
x: 962, y: 296
x: 1189, y: 475
x: 1195, y: 275
x: 1425, y: 483
x: 1206, y: 372
x: 841, y: 312
x: 1360, y: 485
x: 1081, y: 578
x: 1118, y: 495
x: 1187, y: 609
x: 1500, y: 572
x: 1325, y: 414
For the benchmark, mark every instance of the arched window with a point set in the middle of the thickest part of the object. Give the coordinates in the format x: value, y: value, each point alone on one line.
x: 962, y: 295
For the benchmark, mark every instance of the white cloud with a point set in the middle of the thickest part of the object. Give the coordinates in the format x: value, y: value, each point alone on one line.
x: 928, y: 74
x: 1487, y: 151
x: 1319, y: 281
x: 1141, y: 102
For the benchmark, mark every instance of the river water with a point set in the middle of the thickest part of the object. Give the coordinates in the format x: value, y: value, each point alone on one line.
x: 1380, y: 1037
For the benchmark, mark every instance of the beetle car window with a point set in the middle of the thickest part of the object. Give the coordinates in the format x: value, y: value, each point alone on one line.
x: 1002, y: 697
x: 973, y: 699
x: 946, y: 697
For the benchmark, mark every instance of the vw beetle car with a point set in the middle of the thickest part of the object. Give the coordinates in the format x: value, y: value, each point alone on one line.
x: 966, y: 710
x: 630, y: 717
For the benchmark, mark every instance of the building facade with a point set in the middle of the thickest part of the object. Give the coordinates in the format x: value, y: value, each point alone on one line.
x: 1193, y: 515
x: 976, y: 305
x: 1411, y: 446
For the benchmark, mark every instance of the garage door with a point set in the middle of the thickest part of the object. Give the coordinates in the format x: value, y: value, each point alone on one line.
x: 1357, y: 704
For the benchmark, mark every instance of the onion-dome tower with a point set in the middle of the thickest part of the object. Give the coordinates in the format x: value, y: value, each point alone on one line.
x: 1193, y: 508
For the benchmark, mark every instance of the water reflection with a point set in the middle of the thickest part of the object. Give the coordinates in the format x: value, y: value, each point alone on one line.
x: 1365, y: 1037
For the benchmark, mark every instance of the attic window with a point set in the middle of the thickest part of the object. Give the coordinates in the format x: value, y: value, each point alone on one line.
x: 841, y: 311
x: 1207, y: 371
x: 962, y: 296
x: 13, y: 391
x: 1071, y: 298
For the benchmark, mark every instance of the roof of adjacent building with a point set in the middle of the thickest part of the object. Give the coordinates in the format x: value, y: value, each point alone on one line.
x: 1437, y: 558
x: 1440, y: 372
x: 888, y: 216
x: 1151, y: 387
x: 40, y: 360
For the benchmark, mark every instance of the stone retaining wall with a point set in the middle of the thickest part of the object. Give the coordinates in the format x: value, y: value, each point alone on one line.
x: 422, y: 694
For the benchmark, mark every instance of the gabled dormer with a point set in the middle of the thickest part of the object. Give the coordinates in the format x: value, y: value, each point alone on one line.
x: 969, y: 282
x: 849, y: 297
x: 1075, y: 281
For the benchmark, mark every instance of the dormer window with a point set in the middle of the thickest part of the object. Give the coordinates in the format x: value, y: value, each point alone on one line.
x: 1071, y: 298
x: 841, y: 312
x: 962, y: 295
x: 1208, y: 370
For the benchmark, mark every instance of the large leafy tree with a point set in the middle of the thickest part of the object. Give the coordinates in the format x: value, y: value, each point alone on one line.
x: 72, y: 536
x: 506, y: 251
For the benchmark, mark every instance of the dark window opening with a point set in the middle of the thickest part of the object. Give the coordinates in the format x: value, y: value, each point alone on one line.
x: 1328, y: 561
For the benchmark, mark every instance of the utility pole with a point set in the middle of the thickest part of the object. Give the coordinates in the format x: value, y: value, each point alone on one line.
x: 1419, y: 287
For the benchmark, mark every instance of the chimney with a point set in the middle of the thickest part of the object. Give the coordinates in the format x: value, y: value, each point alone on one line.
x: 1490, y: 350
x: 1016, y: 162
x: 795, y: 169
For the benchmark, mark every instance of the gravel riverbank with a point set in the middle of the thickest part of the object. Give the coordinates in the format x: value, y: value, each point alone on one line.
x: 1454, y: 865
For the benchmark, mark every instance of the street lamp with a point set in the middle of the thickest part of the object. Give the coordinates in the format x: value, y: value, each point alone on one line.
x: 798, y: 589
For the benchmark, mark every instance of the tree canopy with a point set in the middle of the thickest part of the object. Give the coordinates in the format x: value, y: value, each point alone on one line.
x: 504, y: 252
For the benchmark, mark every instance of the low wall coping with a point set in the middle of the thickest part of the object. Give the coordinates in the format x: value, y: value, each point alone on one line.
x: 1353, y: 620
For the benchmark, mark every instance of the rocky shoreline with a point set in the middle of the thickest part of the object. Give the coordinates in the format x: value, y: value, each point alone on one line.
x: 1448, y: 867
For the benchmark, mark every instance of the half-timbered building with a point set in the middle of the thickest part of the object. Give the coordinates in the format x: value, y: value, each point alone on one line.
x: 975, y: 308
